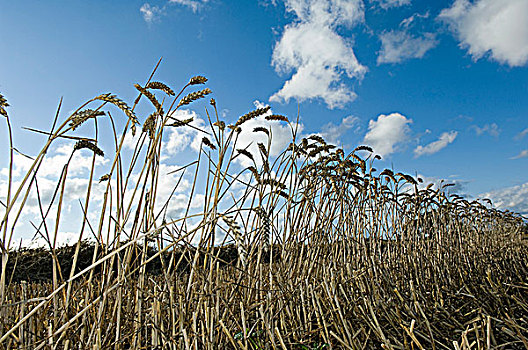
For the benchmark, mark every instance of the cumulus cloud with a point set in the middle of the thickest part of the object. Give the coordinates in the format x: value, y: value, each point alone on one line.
x: 332, y: 132
x: 490, y: 129
x: 179, y: 139
x: 491, y: 27
x: 400, y: 45
x: 386, y: 4
x: 445, y: 139
x: 316, y: 53
x: 522, y: 154
x: 387, y: 132
x: 51, y: 167
x: 513, y: 198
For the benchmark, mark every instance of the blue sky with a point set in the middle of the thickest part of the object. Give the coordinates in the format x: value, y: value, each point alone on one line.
x: 437, y: 88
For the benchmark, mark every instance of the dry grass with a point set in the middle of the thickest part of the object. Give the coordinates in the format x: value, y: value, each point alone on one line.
x: 325, y: 251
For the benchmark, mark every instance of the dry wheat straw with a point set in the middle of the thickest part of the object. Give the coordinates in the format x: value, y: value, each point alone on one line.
x: 327, y: 252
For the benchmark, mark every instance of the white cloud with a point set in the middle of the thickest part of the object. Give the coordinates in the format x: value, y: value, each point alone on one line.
x: 332, y: 132
x: 445, y: 139
x: 194, y: 5
x: 513, y: 198
x: 397, y: 46
x: 319, y: 57
x: 494, y: 27
x: 522, y: 154
x: 387, y: 132
x: 491, y: 129
x: 386, y: 4
x: 150, y: 13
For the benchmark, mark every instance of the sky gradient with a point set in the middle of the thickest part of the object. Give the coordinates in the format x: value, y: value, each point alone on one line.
x: 438, y: 89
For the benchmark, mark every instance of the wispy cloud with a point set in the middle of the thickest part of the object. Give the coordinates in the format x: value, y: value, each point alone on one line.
x: 522, y: 154
x: 494, y: 27
x: 522, y: 134
x: 490, y: 129
x: 150, y: 13
x: 445, y: 139
x: 400, y: 45
x: 317, y: 55
x: 332, y: 133
x: 387, y: 132
x: 194, y: 5
x: 403, y: 44
x: 513, y: 198
x: 386, y: 4
x: 409, y: 21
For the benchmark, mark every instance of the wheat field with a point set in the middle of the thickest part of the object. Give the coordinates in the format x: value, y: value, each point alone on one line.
x: 312, y: 248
